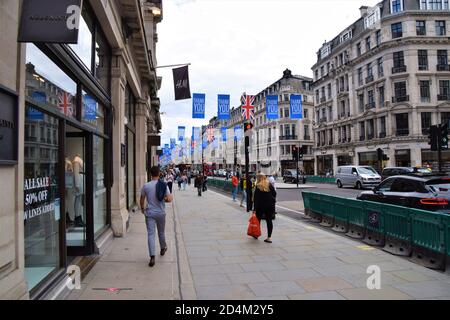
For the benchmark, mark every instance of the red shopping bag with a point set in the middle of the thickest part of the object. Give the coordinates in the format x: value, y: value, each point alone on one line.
x: 254, y: 228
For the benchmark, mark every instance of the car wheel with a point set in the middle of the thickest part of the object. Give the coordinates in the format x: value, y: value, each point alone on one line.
x: 359, y: 185
x: 339, y: 184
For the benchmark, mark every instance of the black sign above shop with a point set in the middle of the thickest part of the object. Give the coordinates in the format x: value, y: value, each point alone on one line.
x: 50, y: 21
x: 8, y: 127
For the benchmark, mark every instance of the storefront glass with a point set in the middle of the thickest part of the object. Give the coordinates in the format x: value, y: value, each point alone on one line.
x: 370, y: 159
x: 93, y: 113
x: 402, y: 158
x: 42, y: 198
x: 325, y: 165
x: 345, y: 160
x: 83, y: 49
x: 100, y: 195
x: 47, y: 84
x: 430, y: 159
x: 130, y: 170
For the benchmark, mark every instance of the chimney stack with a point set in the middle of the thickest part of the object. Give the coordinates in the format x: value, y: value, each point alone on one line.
x: 363, y: 10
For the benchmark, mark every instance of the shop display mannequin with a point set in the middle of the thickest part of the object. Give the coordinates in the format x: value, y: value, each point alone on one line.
x: 70, y: 214
x: 78, y: 172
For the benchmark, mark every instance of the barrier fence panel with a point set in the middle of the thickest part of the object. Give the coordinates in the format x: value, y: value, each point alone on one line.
x: 356, y: 219
x: 373, y: 212
x: 428, y: 239
x: 328, y: 210
x: 316, y: 207
x: 340, y: 210
x: 307, y: 203
x: 397, y: 229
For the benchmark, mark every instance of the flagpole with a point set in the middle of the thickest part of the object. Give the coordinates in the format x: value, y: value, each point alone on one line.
x: 174, y: 65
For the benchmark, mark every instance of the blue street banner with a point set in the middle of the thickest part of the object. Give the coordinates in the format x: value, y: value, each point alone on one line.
x: 272, y: 107
x: 90, y: 108
x: 216, y: 143
x: 224, y: 134
x: 237, y: 133
x: 173, y: 143
x: 296, y: 106
x: 223, y: 107
x: 198, y: 106
x: 196, y: 133
x: 181, y: 133
x: 205, y: 143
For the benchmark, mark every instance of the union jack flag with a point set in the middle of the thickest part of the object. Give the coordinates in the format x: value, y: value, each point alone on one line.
x: 65, y: 103
x: 248, y: 108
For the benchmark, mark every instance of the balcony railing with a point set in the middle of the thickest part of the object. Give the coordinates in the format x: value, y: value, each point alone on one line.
x: 382, y: 135
x: 288, y: 137
x: 402, y: 132
x: 443, y: 67
x: 362, y: 138
x: 370, y: 105
x: 369, y: 79
x: 443, y: 97
x: 400, y: 99
x: 323, y: 99
x: 399, y: 69
x: 322, y: 120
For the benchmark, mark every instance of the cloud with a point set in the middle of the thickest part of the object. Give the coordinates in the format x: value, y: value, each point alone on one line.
x: 236, y: 46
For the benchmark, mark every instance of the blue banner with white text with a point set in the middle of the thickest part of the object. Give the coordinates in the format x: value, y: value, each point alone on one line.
x: 198, y: 106
x: 224, y: 134
x: 296, y: 107
x: 223, y: 107
x: 181, y: 133
x: 272, y: 107
x: 237, y: 133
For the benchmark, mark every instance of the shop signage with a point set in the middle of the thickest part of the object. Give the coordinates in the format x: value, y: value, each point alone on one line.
x: 8, y: 127
x: 374, y: 219
x: 154, y: 141
x: 38, y: 198
x: 90, y: 108
x: 50, y: 21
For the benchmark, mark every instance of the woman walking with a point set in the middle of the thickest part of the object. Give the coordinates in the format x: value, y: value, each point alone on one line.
x: 243, y: 186
x: 264, y: 203
x: 169, y: 180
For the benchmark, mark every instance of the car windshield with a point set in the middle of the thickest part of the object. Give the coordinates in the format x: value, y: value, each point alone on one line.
x: 366, y: 170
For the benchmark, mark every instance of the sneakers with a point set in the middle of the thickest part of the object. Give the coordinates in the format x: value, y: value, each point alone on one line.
x: 152, y: 262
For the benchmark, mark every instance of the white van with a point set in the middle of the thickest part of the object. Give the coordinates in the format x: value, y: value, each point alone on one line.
x: 359, y: 177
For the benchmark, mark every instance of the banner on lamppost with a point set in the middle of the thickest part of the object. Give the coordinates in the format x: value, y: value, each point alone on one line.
x: 181, y: 133
x: 296, y: 107
x: 173, y: 143
x: 223, y: 107
x: 237, y: 133
x: 224, y: 134
x: 198, y: 106
x: 181, y: 83
x: 272, y: 107
x: 196, y: 133
x: 205, y: 143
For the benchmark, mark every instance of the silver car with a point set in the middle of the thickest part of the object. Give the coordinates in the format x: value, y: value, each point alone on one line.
x: 359, y: 177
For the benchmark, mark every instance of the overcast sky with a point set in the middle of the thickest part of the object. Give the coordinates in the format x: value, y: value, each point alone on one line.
x: 238, y: 46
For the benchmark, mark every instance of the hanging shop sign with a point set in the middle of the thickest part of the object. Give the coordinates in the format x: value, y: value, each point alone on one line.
x: 181, y: 83
x: 8, y: 127
x: 50, y: 21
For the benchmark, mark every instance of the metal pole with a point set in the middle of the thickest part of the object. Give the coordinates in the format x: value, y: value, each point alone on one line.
x: 247, y: 167
x: 296, y: 161
x: 439, y: 131
x: 173, y: 65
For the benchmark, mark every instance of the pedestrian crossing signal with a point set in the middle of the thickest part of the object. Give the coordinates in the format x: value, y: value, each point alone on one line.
x: 248, y: 126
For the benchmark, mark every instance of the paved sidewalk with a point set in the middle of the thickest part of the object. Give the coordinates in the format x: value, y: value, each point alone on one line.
x: 211, y: 254
x: 304, y: 262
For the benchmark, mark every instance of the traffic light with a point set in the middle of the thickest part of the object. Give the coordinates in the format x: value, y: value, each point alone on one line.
x: 302, y: 151
x: 295, y: 153
x: 443, y: 136
x: 380, y: 154
x: 433, y: 137
x: 248, y: 126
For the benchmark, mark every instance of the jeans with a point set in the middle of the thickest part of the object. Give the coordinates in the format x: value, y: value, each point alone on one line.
x: 184, y: 185
x: 235, y: 190
x: 155, y: 221
x: 244, y: 197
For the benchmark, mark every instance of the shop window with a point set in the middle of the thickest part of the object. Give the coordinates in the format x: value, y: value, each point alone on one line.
x: 41, y: 202
x: 41, y: 74
x: 93, y: 113
x: 100, y: 191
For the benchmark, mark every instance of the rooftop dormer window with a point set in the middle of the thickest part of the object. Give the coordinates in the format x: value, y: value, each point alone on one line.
x: 434, y: 5
x: 396, y: 6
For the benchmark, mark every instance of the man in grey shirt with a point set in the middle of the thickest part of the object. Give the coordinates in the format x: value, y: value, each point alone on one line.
x: 155, y: 214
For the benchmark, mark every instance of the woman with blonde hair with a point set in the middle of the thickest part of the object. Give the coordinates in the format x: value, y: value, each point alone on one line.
x: 264, y: 203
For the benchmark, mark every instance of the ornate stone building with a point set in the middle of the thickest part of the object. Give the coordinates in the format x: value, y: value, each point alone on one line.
x: 381, y: 83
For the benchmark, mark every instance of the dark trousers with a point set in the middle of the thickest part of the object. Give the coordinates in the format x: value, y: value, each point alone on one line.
x: 269, y: 225
x: 170, y: 184
x: 199, y: 189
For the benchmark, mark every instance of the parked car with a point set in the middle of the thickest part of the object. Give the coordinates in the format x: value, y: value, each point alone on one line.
x: 290, y: 176
x: 397, y: 171
x: 429, y: 192
x: 359, y: 177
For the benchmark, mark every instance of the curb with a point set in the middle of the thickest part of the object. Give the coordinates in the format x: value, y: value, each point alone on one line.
x: 186, y: 283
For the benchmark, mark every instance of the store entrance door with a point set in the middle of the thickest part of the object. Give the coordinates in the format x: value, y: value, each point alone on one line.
x: 78, y: 193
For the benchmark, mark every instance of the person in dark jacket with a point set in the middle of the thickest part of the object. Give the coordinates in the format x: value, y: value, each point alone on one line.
x: 198, y: 183
x: 264, y: 203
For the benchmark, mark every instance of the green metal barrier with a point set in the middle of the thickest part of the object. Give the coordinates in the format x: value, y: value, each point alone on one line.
x: 340, y: 215
x: 319, y: 179
x: 374, y: 215
x: 401, y: 230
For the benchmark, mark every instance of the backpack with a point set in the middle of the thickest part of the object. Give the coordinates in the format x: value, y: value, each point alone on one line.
x: 161, y: 188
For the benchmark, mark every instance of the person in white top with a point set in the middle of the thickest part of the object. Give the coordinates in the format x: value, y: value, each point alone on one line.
x: 272, y: 181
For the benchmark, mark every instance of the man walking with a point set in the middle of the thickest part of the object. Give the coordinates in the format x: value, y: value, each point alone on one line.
x: 198, y: 183
x: 157, y: 194
x: 235, y: 183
